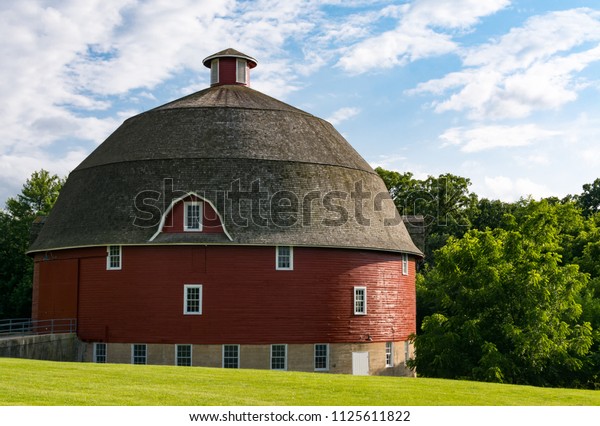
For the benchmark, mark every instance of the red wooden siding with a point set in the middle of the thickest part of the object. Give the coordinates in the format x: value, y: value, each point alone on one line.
x: 245, y: 300
x: 56, y: 289
x: 211, y: 223
x: 228, y: 70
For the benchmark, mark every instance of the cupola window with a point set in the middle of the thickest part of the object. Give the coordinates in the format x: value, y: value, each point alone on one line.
x: 241, y: 74
x: 214, y: 71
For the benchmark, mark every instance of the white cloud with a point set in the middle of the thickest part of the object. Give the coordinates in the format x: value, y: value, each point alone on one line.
x: 481, y: 138
x: 511, y: 189
x: 423, y: 30
x: 71, y: 61
x: 531, y: 68
x: 343, y: 114
x: 17, y: 168
x: 390, y: 162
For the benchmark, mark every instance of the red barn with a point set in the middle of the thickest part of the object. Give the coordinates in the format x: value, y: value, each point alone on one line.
x: 229, y: 229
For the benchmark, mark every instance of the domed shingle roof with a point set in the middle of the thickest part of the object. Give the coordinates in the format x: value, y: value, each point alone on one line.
x: 275, y: 174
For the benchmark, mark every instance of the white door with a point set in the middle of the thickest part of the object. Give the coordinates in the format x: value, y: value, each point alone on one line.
x: 360, y: 363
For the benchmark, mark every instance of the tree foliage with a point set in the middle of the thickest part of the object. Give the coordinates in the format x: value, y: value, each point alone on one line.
x: 37, y: 197
x: 508, y: 292
x: 506, y: 307
x: 443, y: 201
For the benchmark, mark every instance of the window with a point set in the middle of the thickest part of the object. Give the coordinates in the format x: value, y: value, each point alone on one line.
x: 183, y: 355
x: 321, y: 357
x: 278, y: 357
x: 360, y: 300
x: 240, y: 75
x: 389, y: 354
x: 231, y: 356
x: 404, y: 264
x: 138, y: 354
x: 100, y: 352
x: 284, y: 259
x: 406, y: 352
x: 214, y: 71
x: 192, y: 216
x: 113, y: 257
x: 192, y: 299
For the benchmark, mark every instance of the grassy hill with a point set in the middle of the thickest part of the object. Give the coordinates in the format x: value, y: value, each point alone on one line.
x: 26, y: 382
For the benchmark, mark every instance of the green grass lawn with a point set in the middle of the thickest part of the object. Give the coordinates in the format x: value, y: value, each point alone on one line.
x: 26, y: 382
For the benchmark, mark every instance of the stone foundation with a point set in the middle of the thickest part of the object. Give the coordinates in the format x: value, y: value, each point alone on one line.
x: 300, y: 357
x: 48, y: 347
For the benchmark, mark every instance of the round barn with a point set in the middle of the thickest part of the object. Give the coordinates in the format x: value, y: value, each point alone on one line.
x: 230, y: 229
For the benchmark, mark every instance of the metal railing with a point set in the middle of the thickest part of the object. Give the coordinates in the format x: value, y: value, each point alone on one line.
x: 26, y: 326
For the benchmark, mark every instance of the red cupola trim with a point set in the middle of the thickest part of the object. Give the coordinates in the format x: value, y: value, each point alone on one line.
x: 229, y: 66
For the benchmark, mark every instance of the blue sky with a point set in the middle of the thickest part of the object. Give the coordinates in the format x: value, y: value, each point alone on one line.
x: 502, y: 92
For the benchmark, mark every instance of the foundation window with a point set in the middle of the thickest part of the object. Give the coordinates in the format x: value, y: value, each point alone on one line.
x: 231, y: 356
x: 139, y: 354
x: 389, y: 354
x: 321, y: 357
x: 183, y: 355
x: 278, y: 357
x: 100, y: 353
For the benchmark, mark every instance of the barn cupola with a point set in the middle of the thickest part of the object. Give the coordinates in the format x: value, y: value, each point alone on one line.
x: 229, y: 66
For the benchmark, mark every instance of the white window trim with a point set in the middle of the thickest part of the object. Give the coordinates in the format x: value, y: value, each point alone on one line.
x: 214, y: 75
x: 133, y: 345
x: 326, y: 357
x: 237, y: 69
x: 239, y: 356
x: 404, y: 264
x: 108, y: 266
x: 95, y: 355
x: 291, y: 267
x: 185, y: 215
x: 191, y: 353
x: 365, y: 301
x: 285, y: 358
x: 185, y: 299
x: 391, y: 363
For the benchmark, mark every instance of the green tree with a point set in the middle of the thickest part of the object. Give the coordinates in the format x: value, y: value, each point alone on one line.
x: 37, y: 197
x: 505, y: 307
x: 444, y: 202
x: 589, y: 200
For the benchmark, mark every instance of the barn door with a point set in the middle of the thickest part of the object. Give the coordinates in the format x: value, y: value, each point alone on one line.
x: 360, y: 363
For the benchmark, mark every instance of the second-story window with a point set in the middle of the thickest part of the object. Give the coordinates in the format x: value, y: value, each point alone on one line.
x: 284, y: 259
x: 113, y: 257
x: 360, y: 301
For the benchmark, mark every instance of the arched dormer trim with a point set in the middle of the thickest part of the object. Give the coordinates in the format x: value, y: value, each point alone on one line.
x: 183, y: 199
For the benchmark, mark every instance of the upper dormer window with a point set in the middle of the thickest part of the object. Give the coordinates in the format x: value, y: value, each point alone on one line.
x: 192, y: 216
x: 241, y: 75
x: 214, y: 71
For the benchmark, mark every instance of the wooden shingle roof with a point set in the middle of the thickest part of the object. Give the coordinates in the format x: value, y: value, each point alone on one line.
x: 276, y: 174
